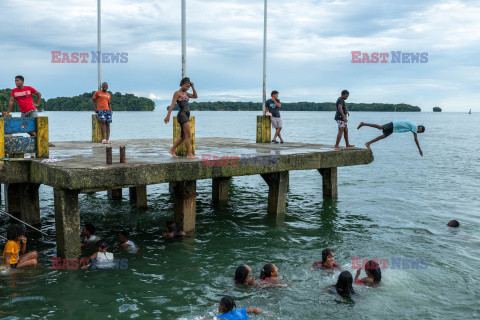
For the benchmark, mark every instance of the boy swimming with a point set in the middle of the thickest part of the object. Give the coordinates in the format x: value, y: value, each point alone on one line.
x: 126, y: 243
x: 88, y: 234
x: 395, y: 127
x: 227, y: 308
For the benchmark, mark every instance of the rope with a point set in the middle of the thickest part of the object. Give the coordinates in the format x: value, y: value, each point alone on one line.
x: 1, y: 211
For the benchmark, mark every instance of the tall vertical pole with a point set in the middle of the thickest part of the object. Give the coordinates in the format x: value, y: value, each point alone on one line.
x: 99, y: 44
x: 184, y: 38
x: 264, y: 58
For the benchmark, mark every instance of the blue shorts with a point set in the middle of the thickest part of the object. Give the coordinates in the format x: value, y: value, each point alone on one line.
x: 105, y: 116
x: 14, y: 266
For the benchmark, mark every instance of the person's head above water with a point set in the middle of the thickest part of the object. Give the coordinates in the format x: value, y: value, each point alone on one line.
x: 372, y: 269
x: 14, y: 231
x: 421, y: 129
x: 124, y: 236
x: 227, y: 304
x: 269, y: 270
x: 102, y: 245
x: 327, y: 256
x: 88, y: 229
x: 242, y: 274
x: 345, y: 94
x: 453, y: 223
x: 344, y: 284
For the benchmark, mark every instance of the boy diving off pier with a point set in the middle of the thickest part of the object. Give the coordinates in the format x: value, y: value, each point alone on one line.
x: 397, y: 127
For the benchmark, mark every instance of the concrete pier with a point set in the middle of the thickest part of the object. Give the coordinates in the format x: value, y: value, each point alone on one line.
x: 81, y: 168
x: 115, y: 194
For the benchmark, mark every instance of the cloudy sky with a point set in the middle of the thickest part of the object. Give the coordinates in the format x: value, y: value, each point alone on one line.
x: 309, y: 49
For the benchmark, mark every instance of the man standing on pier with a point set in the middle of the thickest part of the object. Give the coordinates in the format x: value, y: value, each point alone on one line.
x: 23, y: 95
x: 341, y: 118
x: 103, y: 109
x: 274, y: 106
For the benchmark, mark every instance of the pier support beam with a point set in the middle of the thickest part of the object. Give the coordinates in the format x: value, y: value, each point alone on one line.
x: 220, y: 188
x: 115, y: 194
x: 30, y: 204
x: 277, y: 191
x: 67, y: 222
x: 329, y: 177
x: 13, y: 195
x: 138, y: 196
x: 185, y: 205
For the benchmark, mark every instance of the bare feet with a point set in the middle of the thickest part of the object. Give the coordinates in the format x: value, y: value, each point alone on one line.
x: 360, y: 125
x: 337, y: 148
x: 172, y: 152
x: 191, y: 156
x: 368, y: 146
x: 350, y: 146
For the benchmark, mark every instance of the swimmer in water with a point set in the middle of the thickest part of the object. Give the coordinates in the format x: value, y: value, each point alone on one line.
x: 343, y: 287
x: 268, y: 276
x: 242, y: 276
x: 14, y: 255
x: 88, y: 234
x: 171, y: 231
x: 101, y: 259
x: 126, y: 243
x: 327, y: 260
x: 228, y: 310
x: 181, y: 98
x: 374, y: 275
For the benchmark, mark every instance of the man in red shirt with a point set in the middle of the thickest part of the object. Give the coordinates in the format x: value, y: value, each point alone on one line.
x: 103, y: 108
x: 23, y: 95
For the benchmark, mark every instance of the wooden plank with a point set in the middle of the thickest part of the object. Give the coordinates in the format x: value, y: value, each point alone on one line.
x: 96, y: 129
x: 42, y: 137
x: 20, y: 145
x: 181, y: 150
x: 19, y: 125
x: 2, y: 139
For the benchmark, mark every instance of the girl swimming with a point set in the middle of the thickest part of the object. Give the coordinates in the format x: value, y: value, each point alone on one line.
x: 227, y: 308
x: 242, y: 276
x: 268, y: 276
x: 327, y: 260
x: 343, y: 287
x: 374, y: 274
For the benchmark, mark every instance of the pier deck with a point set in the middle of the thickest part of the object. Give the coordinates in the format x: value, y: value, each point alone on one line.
x: 82, y: 167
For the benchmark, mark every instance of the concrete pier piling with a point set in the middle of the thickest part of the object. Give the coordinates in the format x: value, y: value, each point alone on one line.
x: 277, y: 191
x: 67, y: 222
x: 220, y: 188
x: 185, y: 205
x: 138, y: 196
x: 329, y: 179
x: 115, y: 194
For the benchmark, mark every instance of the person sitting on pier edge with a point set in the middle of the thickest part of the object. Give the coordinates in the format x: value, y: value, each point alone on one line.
x: 343, y: 287
x: 327, y: 260
x: 242, y: 276
x: 16, y: 244
x: 227, y: 308
x: 374, y: 275
x: 88, y: 234
x: 126, y: 243
x: 274, y: 106
x: 341, y: 118
x: 103, y: 109
x: 395, y: 127
x: 101, y: 259
x: 171, y: 231
x: 181, y: 98
x: 23, y: 95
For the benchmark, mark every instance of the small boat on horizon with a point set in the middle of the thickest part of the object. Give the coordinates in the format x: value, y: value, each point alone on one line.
x: 470, y: 112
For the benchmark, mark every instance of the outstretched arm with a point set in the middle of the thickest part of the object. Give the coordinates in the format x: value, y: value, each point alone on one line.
x: 174, y: 100
x: 418, y: 144
x: 254, y: 310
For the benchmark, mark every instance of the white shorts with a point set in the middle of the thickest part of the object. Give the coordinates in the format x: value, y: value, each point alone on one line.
x: 341, y: 123
x: 276, y: 122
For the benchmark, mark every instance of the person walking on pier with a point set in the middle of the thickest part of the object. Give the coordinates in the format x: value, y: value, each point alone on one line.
x: 397, y: 127
x: 23, y: 95
x: 181, y: 98
x: 274, y: 106
x: 103, y: 109
x: 341, y: 118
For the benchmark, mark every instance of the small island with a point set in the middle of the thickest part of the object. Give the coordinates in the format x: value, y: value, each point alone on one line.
x: 437, y: 109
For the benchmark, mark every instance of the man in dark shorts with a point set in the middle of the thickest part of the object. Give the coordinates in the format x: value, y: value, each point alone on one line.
x: 23, y: 95
x: 397, y: 127
x: 341, y: 118
x: 274, y: 106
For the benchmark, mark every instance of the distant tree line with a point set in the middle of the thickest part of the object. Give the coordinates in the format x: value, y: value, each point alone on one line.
x: 302, y: 106
x: 5, y: 99
x: 437, y: 109
x: 83, y: 102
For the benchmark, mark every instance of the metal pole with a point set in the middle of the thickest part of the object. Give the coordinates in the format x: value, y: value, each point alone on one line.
x: 99, y: 44
x: 4, y: 212
x: 184, y: 38
x: 264, y: 58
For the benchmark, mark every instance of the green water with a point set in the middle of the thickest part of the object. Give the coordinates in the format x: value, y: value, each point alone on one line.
x: 397, y: 206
